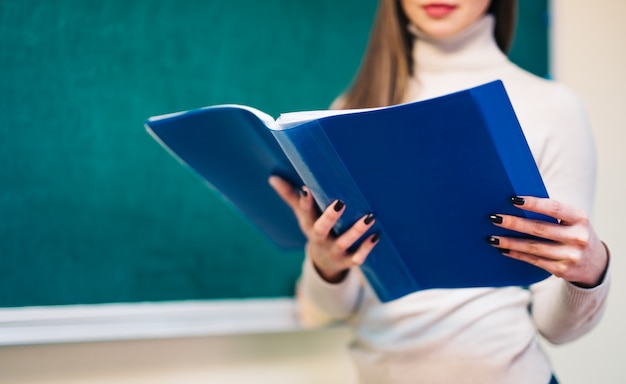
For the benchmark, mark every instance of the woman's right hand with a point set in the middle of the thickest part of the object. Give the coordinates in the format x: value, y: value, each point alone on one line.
x: 328, y: 251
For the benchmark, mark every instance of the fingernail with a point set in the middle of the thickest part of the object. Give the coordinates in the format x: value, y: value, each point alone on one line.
x: 338, y: 205
x: 504, y: 250
x: 496, y: 219
x: 518, y: 200
x: 375, y: 238
x: 304, y: 192
x: 493, y: 240
x: 369, y: 218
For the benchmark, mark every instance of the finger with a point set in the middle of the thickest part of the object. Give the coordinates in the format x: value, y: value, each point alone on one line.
x: 355, y: 232
x: 546, y: 264
x: 538, y: 248
x: 299, y: 200
x: 325, y: 223
x: 564, y: 212
x: 359, y: 256
x: 285, y: 190
x: 561, y: 266
x: 308, y: 210
x: 537, y: 228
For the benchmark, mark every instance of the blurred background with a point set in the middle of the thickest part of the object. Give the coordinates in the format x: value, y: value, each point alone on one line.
x: 93, y: 210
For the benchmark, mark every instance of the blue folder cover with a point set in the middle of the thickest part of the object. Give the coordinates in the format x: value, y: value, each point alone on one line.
x: 233, y: 151
x: 431, y: 172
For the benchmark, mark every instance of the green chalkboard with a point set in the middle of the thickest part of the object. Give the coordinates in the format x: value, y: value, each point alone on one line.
x: 92, y: 209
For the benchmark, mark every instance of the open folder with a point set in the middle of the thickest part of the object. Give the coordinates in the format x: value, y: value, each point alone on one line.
x: 430, y: 171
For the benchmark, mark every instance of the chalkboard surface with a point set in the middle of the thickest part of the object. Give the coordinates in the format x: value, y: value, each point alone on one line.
x: 92, y: 209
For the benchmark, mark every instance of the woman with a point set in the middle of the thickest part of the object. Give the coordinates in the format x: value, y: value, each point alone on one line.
x: 420, y: 49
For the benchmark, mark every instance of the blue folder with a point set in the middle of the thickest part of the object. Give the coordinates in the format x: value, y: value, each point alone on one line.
x: 431, y: 172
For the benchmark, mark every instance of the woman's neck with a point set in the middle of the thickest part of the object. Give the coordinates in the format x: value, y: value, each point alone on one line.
x: 473, y: 48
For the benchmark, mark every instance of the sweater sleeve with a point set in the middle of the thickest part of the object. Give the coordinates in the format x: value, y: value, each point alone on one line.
x: 321, y: 302
x: 563, y: 311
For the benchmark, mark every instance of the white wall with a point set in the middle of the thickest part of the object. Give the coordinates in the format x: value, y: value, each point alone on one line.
x: 589, y: 56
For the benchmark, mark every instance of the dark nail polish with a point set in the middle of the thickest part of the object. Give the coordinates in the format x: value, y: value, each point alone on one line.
x: 493, y: 240
x: 369, y: 218
x: 304, y: 192
x: 338, y: 205
x: 496, y: 219
x: 504, y: 250
x: 518, y: 200
x: 375, y: 238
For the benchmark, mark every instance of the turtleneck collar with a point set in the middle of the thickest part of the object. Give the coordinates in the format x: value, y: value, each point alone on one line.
x: 473, y: 48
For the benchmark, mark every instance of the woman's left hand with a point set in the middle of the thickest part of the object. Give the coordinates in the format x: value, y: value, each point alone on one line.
x: 572, y: 251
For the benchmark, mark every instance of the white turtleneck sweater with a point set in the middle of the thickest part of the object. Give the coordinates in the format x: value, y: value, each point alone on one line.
x: 478, y: 335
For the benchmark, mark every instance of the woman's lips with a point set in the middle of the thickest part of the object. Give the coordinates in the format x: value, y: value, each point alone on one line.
x: 439, y: 10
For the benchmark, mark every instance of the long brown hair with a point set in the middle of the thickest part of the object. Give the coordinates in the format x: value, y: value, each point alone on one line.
x: 387, y: 64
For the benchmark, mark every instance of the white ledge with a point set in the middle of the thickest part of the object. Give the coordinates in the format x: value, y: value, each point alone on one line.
x: 105, y: 322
